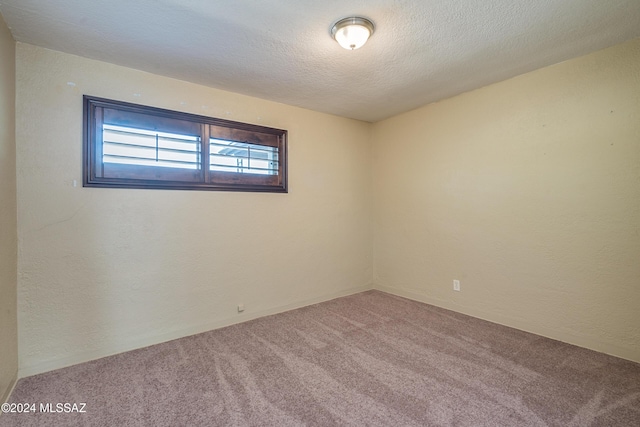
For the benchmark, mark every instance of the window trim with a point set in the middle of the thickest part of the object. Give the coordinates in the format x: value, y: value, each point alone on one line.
x: 208, y: 179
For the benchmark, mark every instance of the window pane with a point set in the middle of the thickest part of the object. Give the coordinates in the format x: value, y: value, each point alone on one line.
x: 242, y: 157
x: 126, y: 145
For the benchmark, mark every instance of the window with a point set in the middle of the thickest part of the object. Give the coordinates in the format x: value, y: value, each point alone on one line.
x: 128, y: 145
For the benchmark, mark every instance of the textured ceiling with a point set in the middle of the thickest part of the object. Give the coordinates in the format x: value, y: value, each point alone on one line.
x: 422, y: 50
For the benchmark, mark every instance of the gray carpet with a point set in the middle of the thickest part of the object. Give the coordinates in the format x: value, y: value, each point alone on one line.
x: 368, y: 359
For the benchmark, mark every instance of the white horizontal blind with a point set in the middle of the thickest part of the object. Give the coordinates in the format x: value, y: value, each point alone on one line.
x: 242, y: 157
x: 132, y: 146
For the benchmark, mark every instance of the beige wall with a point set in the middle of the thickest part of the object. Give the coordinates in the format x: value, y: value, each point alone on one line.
x: 107, y: 270
x: 8, y: 238
x: 528, y: 192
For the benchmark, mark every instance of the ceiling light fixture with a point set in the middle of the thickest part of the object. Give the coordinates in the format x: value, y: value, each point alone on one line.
x: 352, y: 33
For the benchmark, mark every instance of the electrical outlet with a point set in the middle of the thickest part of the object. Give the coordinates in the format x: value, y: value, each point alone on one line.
x: 240, y: 308
x: 456, y: 285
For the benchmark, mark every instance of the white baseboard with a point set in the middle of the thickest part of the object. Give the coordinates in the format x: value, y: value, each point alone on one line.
x: 7, y: 393
x: 590, y: 343
x: 50, y: 365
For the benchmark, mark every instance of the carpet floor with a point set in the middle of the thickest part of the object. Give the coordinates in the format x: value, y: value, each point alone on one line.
x: 368, y: 359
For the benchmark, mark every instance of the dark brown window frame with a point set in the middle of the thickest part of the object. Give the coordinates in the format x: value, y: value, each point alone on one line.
x: 135, y: 176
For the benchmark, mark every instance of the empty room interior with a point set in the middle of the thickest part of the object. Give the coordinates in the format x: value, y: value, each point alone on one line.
x: 446, y: 230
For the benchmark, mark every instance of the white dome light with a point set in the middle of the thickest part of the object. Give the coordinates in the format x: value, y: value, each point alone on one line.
x: 352, y: 33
